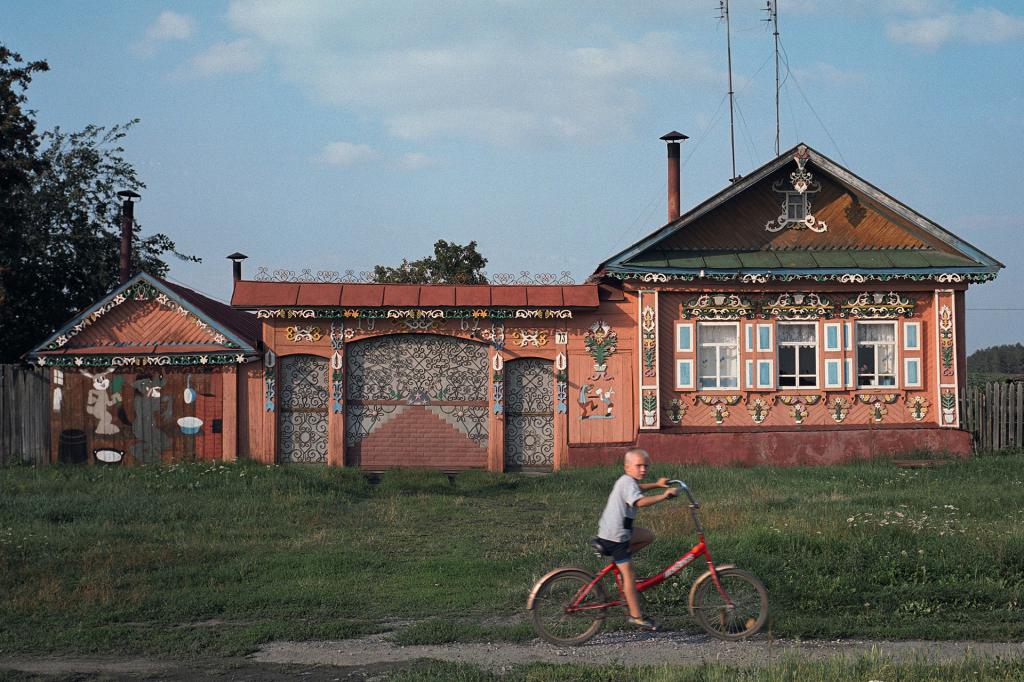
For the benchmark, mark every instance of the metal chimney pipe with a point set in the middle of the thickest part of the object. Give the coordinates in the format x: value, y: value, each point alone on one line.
x: 673, y: 140
x: 236, y: 265
x: 128, y: 199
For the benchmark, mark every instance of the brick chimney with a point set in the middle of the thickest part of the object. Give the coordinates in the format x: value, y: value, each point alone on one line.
x: 672, y: 142
x: 128, y: 199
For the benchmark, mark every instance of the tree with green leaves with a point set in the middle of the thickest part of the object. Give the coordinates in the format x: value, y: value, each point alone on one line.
x: 59, y: 216
x: 451, y: 264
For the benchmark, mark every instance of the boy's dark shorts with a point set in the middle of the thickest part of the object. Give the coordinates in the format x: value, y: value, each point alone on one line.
x: 618, y: 551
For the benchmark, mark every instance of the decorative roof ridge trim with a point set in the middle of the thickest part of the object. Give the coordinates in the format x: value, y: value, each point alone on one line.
x: 448, y: 313
x: 117, y: 296
x: 843, y: 277
x: 165, y: 360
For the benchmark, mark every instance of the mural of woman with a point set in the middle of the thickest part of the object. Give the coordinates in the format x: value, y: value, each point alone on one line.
x: 148, y: 403
x: 99, y: 402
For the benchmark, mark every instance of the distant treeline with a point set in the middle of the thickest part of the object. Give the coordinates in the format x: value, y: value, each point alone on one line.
x: 1006, y: 359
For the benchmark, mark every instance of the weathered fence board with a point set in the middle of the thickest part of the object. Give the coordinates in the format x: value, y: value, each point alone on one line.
x: 994, y: 414
x: 24, y: 415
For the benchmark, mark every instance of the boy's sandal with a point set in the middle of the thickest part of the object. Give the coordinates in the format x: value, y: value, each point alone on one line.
x: 645, y: 624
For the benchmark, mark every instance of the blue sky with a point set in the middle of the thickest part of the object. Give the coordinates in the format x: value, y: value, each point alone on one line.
x: 337, y: 135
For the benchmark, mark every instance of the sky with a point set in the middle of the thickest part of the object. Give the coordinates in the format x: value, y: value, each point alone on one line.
x: 339, y: 134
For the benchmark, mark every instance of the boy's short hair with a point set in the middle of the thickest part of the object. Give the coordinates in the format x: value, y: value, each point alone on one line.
x: 635, y: 451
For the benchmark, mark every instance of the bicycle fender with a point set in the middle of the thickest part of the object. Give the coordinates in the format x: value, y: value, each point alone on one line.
x: 704, y: 576
x: 560, y: 569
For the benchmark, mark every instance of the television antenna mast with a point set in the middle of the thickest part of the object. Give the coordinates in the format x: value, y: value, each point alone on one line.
x: 723, y: 9
x: 772, y: 8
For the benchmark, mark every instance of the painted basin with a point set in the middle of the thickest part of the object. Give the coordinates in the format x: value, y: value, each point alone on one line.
x: 109, y: 456
x: 190, y: 425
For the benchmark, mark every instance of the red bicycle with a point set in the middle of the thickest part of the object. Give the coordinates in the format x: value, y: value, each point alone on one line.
x: 569, y: 605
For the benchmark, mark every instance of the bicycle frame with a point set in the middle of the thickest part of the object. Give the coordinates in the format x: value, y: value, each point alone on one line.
x: 698, y: 550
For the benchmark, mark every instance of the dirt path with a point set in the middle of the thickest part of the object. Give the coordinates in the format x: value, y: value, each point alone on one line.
x: 368, y: 657
x: 619, y: 647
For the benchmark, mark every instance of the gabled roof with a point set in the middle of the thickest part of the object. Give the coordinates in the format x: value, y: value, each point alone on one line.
x: 258, y: 294
x: 854, y: 229
x: 149, y: 321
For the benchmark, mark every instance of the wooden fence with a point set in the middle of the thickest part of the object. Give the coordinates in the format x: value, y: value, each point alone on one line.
x: 24, y: 415
x: 994, y: 414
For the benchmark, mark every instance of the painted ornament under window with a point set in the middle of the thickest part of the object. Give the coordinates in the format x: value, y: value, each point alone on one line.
x: 758, y: 410
x: 918, y: 407
x: 675, y: 410
x: 838, y: 408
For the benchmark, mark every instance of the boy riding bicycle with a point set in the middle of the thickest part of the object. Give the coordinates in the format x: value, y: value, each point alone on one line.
x: 616, y: 535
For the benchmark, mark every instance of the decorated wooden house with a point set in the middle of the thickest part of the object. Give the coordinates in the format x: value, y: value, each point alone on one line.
x: 799, y: 316
x: 154, y: 372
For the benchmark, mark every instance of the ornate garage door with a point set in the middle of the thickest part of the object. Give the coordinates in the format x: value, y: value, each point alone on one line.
x: 416, y: 400
x: 529, y: 414
x: 304, y: 400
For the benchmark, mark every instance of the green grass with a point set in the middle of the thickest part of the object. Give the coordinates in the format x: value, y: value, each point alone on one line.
x: 789, y: 669
x: 209, y: 559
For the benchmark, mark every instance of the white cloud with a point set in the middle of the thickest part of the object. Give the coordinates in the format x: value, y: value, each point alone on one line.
x: 347, y: 154
x: 983, y: 25
x: 238, y: 56
x: 495, y: 72
x: 169, y: 26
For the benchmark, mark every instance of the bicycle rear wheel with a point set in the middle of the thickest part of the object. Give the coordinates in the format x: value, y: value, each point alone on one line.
x: 749, y: 609
x: 555, y: 595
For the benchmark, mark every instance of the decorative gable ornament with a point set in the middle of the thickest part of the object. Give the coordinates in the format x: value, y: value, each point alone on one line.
x: 796, y: 203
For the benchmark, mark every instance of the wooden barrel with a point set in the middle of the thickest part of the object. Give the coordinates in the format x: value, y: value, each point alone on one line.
x: 72, y: 448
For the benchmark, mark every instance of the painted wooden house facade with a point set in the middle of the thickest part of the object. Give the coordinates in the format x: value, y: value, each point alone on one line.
x: 149, y: 374
x: 799, y: 316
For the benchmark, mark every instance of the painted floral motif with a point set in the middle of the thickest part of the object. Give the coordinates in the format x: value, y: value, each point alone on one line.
x: 648, y: 343
x: 798, y: 307
x: 310, y: 333
x: 798, y: 405
x: 947, y: 401
x: 718, y: 307
x: 562, y: 384
x: 758, y: 409
x: 838, y: 408
x: 498, y: 385
x: 845, y: 278
x: 531, y: 337
x: 730, y: 400
x: 878, y: 306
x: 337, y: 368
x: 946, y: 340
x: 721, y: 412
x: 918, y: 407
x: 675, y: 411
x: 418, y: 313
x: 601, y: 342
x: 649, y: 406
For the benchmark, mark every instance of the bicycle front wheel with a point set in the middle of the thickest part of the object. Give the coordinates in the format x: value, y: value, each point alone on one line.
x: 555, y: 618
x: 746, y: 614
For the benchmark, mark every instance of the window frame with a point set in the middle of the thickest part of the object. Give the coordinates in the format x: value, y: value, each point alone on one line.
x: 895, y: 343
x: 700, y: 345
x: 779, y: 345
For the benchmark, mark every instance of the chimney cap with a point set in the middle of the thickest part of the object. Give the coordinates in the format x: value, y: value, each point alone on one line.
x: 236, y: 256
x: 129, y: 195
x: 674, y: 136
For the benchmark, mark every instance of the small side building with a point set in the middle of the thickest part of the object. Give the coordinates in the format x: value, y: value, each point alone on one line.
x: 154, y: 372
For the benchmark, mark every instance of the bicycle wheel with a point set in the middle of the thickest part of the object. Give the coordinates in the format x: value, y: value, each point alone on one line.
x: 558, y: 591
x: 749, y: 609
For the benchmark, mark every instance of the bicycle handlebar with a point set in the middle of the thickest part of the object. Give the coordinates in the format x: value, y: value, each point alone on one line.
x: 686, y: 489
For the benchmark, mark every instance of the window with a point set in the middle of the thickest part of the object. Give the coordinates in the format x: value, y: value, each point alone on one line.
x: 796, y: 206
x: 718, y: 354
x: 798, y: 355
x: 876, y: 353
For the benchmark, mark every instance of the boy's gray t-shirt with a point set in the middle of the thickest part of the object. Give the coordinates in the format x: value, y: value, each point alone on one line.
x: 621, y: 505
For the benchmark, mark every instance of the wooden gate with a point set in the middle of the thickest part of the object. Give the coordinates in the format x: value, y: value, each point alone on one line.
x: 416, y: 400
x: 529, y: 414
x: 304, y: 402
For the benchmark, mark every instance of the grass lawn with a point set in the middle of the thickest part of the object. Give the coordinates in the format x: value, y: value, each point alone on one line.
x: 211, y: 559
